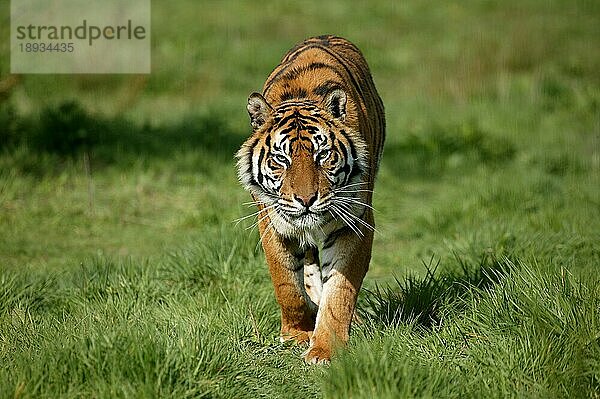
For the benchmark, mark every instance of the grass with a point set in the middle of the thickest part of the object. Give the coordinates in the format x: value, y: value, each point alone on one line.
x: 123, y: 275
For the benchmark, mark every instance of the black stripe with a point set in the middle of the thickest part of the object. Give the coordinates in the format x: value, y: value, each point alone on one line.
x: 249, y: 167
x: 290, y: 57
x: 312, y: 129
x: 261, y: 156
x: 293, y: 93
x: 300, y: 102
x: 332, y: 137
x: 323, y: 39
x: 284, y: 120
x: 344, y: 151
x: 309, y: 118
x: 294, y: 121
x: 345, y: 169
x: 350, y: 143
x: 340, y: 60
x: 270, y: 180
x: 326, y: 87
x: 253, y: 181
x: 286, y: 96
x: 288, y: 129
x: 295, y: 72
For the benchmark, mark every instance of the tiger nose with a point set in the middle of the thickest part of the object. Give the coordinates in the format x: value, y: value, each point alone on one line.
x: 306, y: 200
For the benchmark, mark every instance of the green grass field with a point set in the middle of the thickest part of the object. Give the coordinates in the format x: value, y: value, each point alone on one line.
x: 123, y: 274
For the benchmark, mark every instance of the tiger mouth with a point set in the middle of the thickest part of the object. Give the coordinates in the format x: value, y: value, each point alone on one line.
x: 305, y: 214
x: 305, y: 218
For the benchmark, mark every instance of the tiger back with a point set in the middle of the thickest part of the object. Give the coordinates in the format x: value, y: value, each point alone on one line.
x: 310, y: 165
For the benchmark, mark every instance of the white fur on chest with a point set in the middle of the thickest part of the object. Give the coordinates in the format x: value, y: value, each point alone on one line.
x: 307, y: 237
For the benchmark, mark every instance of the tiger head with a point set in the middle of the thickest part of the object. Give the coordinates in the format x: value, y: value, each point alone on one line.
x: 302, y: 163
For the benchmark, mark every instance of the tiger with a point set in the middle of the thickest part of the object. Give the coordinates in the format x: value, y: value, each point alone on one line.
x: 318, y: 130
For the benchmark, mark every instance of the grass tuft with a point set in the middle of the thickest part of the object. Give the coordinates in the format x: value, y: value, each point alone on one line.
x: 419, y: 300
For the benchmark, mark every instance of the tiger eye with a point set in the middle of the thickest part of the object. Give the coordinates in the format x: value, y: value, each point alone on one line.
x: 280, y: 160
x: 323, y: 155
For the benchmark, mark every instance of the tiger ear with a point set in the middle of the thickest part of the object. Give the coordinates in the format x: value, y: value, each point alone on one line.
x: 335, y: 103
x: 258, y: 109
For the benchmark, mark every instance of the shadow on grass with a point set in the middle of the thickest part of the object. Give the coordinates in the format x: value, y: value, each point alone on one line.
x: 419, y: 300
x: 67, y: 131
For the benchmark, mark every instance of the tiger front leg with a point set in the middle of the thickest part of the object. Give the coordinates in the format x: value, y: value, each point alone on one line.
x: 286, y: 266
x: 345, y: 264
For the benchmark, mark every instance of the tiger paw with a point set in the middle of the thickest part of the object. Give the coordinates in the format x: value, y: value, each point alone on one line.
x: 317, y: 355
x: 292, y: 334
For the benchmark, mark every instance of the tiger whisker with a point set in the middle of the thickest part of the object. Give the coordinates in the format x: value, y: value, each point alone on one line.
x: 353, y: 184
x: 353, y: 191
x: 269, y: 228
x: 260, y: 219
x: 322, y: 231
x: 255, y: 224
x: 239, y: 220
x: 350, y: 223
x: 345, y: 208
x: 252, y: 203
x: 347, y: 222
x: 272, y: 233
x: 353, y: 201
